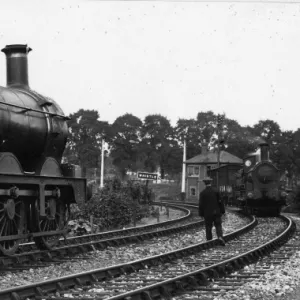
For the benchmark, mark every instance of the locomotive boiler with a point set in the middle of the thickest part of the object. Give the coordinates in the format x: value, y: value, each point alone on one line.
x: 35, y: 189
x: 260, y: 186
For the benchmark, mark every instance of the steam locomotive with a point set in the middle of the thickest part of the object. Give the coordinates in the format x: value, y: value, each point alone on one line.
x: 36, y: 190
x: 254, y: 186
x: 259, y: 186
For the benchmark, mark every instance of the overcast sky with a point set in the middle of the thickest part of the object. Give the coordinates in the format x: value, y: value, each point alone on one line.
x: 172, y: 58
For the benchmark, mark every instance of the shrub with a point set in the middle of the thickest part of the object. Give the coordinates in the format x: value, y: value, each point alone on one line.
x: 115, y: 206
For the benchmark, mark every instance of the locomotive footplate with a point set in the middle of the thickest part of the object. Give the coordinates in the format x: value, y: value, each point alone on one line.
x: 43, y: 186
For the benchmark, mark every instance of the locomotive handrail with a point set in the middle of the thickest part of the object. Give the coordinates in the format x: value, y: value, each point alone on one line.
x: 25, y: 109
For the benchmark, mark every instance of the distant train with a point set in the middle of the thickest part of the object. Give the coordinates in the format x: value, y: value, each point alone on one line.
x: 260, y: 186
x: 257, y: 187
x: 36, y: 190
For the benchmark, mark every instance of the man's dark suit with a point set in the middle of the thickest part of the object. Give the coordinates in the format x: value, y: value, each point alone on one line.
x: 211, y: 208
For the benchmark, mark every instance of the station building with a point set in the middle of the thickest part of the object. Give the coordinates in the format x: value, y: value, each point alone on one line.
x: 199, y: 167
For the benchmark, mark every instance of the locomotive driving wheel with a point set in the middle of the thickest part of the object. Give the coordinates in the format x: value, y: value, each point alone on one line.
x: 56, y: 219
x: 12, y: 216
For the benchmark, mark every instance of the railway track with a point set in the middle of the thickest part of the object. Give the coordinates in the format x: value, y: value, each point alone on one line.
x: 208, y: 273
x: 82, y: 244
x: 104, y: 274
x: 159, y: 241
x: 126, y: 231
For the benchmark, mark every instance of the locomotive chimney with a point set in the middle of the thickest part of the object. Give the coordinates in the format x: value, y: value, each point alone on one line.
x: 16, y: 65
x: 264, y: 151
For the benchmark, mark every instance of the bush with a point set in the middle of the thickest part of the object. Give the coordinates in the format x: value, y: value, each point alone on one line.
x: 154, y: 212
x: 115, y: 206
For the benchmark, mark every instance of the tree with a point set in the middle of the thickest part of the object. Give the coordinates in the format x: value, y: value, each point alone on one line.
x: 189, y: 129
x: 238, y: 140
x: 214, y: 128
x: 159, y: 144
x: 125, y: 138
x: 287, y: 152
x: 268, y: 130
x: 207, y: 124
x: 84, y: 143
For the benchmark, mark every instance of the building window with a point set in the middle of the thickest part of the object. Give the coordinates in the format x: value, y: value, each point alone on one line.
x: 192, y: 191
x: 193, y: 170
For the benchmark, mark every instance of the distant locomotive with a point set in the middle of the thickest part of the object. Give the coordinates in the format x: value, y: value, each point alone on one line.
x: 35, y: 189
x: 254, y: 186
x: 260, y: 188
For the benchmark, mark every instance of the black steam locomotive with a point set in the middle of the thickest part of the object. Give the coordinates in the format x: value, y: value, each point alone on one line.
x: 36, y: 190
x: 259, y: 186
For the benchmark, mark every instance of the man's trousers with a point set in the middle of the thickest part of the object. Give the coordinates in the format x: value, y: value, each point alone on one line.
x: 217, y: 222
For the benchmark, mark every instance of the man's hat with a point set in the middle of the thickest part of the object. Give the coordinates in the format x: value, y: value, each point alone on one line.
x: 207, y: 180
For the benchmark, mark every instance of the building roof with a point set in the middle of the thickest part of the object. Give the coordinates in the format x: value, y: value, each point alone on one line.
x: 211, y: 158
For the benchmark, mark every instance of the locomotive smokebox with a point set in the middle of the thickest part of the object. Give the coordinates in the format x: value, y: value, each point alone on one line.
x: 16, y: 65
x: 264, y: 151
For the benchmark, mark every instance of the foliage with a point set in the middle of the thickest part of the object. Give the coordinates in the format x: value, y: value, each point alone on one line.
x: 287, y: 152
x: 154, y: 212
x: 124, y: 140
x: 189, y: 129
x: 155, y: 145
x: 115, y: 206
x: 207, y: 123
x: 81, y: 227
x: 85, y: 134
x: 238, y: 140
x: 159, y: 144
x: 268, y: 130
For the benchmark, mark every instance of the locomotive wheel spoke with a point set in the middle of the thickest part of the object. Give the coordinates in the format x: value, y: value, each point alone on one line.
x: 7, y: 231
x: 11, y: 223
x: 54, y: 220
x: 45, y: 225
x: 15, y: 224
x: 2, y: 228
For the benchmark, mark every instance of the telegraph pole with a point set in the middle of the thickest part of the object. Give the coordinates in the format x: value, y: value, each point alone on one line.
x: 219, y: 125
x: 218, y: 163
x: 183, y: 166
x: 102, y: 165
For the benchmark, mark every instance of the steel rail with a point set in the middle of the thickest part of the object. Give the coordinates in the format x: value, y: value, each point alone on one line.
x: 93, y: 245
x: 200, y: 277
x: 93, y: 242
x: 50, y: 286
x: 108, y: 234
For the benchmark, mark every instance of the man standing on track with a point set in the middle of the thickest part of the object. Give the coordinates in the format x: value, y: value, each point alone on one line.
x: 211, y: 208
